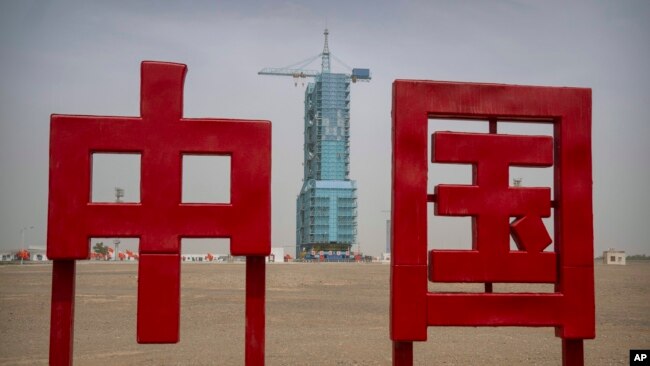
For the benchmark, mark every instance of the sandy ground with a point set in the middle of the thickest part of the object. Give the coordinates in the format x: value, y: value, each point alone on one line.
x: 317, y: 314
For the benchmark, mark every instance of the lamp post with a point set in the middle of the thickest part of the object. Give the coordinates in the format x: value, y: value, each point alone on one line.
x: 23, y: 232
x: 116, y: 242
x: 388, y: 231
x: 119, y: 193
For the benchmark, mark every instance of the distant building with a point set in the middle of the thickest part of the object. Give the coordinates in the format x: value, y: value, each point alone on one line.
x: 277, y: 255
x: 612, y: 256
x: 37, y: 253
x: 195, y: 257
x: 385, y: 257
x: 38, y: 257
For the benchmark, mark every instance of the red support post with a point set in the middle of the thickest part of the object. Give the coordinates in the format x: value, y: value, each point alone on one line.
x: 488, y: 287
x: 402, y: 353
x: 255, y: 309
x: 572, y: 352
x: 493, y: 130
x: 62, y: 316
x: 159, y: 290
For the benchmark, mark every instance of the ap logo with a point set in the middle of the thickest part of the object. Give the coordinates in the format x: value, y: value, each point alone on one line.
x: 639, y: 357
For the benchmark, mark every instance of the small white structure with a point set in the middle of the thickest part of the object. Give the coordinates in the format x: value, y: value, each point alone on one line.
x: 37, y: 253
x: 6, y: 256
x: 195, y: 257
x: 385, y: 257
x: 38, y: 257
x: 204, y: 258
x: 277, y: 255
x: 613, y: 256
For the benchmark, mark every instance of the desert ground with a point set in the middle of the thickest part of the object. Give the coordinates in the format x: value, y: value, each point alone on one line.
x: 317, y: 314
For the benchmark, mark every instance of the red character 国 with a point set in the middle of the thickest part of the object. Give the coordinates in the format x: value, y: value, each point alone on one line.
x: 498, y: 211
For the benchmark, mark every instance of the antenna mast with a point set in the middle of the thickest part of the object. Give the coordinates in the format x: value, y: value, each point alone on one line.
x: 325, y: 63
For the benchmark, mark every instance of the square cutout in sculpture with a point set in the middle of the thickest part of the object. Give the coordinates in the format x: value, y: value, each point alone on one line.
x: 115, y: 178
x: 206, y: 179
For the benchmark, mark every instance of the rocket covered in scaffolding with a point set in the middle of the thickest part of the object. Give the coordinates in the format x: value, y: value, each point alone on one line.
x: 326, y: 208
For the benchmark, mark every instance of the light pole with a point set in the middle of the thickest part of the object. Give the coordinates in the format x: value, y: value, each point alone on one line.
x: 119, y: 193
x: 116, y: 242
x: 23, y: 232
x: 388, y: 231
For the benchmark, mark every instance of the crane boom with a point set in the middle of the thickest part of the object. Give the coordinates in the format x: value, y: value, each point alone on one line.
x: 298, y: 73
x: 296, y: 70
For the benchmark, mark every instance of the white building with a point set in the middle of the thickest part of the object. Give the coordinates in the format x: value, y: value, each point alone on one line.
x: 276, y: 256
x: 38, y: 257
x: 385, y: 257
x: 612, y: 256
x: 37, y: 253
x: 205, y: 257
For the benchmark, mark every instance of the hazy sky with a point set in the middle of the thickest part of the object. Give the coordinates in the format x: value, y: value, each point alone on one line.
x: 83, y: 58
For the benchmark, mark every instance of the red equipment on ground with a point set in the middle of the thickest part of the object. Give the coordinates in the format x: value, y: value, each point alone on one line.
x: 23, y: 254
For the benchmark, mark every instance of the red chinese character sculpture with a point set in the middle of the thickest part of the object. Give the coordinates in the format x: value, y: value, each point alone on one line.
x: 161, y: 136
x: 491, y: 203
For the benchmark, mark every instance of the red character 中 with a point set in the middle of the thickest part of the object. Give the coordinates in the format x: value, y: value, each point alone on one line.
x: 161, y: 136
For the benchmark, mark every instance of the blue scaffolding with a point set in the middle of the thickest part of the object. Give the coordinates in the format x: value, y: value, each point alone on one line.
x: 326, y: 216
x: 326, y: 212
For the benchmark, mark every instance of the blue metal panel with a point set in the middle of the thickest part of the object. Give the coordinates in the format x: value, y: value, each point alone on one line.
x: 361, y: 73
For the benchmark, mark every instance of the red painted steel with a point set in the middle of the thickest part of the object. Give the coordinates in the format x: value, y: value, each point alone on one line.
x: 161, y: 136
x: 62, y: 313
x: 255, y: 312
x: 403, y: 353
x: 493, y: 204
x: 159, y: 291
x: 572, y: 352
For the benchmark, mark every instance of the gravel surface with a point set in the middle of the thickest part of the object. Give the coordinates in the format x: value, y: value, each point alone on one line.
x: 317, y: 314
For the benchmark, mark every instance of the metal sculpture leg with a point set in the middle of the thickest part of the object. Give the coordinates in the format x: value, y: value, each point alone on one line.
x: 62, y: 316
x: 572, y: 352
x: 403, y: 353
x: 255, y: 309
